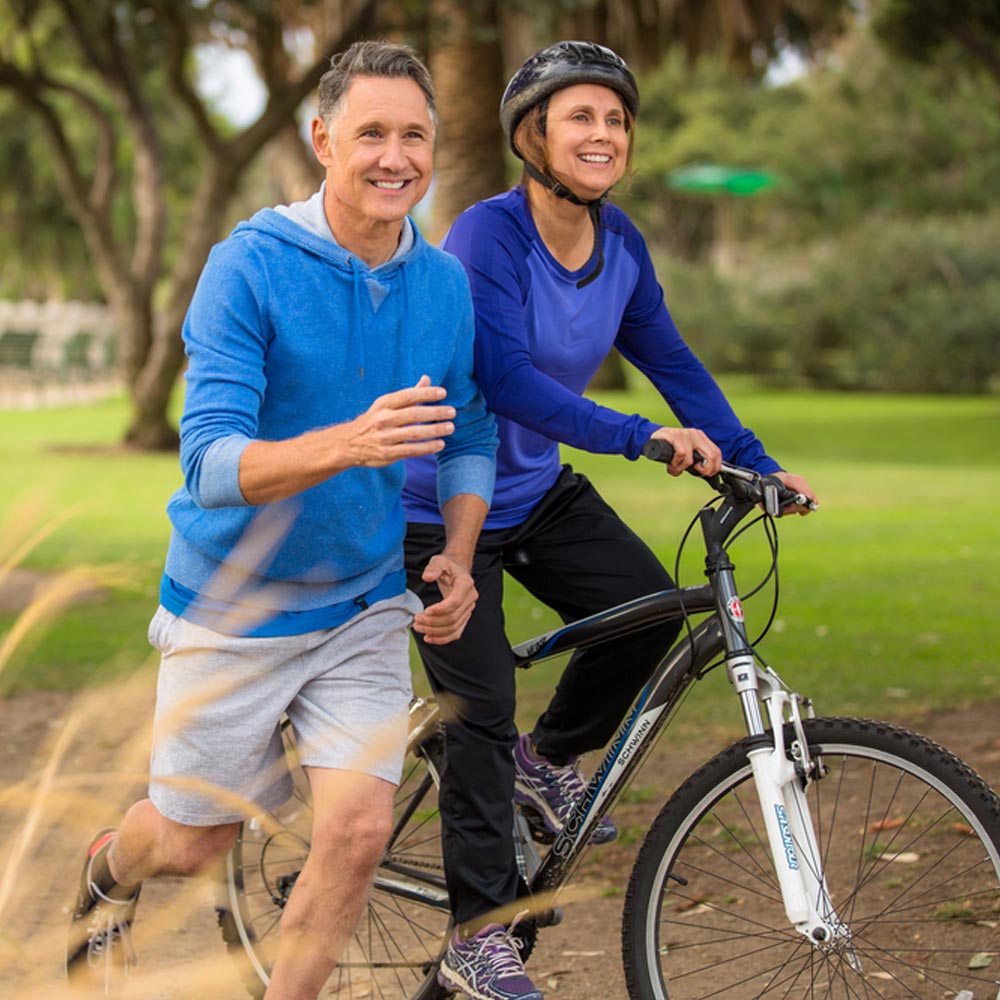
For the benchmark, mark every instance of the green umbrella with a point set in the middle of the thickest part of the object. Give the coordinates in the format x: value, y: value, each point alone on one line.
x: 713, y: 178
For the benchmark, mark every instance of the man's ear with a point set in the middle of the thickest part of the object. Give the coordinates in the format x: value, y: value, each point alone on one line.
x: 322, y: 142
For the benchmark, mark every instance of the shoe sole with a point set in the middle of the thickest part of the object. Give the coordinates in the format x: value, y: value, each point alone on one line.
x: 458, y: 983
x: 534, y: 803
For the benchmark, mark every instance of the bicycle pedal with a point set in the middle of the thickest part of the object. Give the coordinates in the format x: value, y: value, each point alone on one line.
x: 550, y: 917
x: 540, y: 833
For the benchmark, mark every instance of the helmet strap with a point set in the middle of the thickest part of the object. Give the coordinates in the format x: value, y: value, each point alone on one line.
x: 593, y: 210
x: 556, y: 187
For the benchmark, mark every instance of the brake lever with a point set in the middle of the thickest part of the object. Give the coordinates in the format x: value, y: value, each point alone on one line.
x: 773, y: 490
x: 772, y: 500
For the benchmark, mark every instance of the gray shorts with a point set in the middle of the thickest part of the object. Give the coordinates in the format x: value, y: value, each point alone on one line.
x: 217, y: 749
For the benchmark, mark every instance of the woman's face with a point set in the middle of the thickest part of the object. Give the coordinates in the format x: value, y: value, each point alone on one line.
x: 586, y: 138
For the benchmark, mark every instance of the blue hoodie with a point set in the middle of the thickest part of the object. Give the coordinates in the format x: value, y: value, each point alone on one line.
x: 288, y: 332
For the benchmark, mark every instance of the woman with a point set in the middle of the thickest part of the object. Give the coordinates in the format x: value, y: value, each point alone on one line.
x: 558, y: 277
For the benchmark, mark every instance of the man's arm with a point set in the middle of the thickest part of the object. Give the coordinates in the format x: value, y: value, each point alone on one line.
x: 397, y: 425
x: 445, y: 621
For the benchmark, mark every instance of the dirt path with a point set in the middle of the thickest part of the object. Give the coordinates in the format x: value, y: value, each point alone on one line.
x: 69, y: 766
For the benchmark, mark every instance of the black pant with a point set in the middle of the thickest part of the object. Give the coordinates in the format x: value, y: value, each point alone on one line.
x: 578, y: 557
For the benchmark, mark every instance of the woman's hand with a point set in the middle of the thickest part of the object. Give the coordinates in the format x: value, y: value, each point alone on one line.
x: 686, y: 441
x: 798, y: 484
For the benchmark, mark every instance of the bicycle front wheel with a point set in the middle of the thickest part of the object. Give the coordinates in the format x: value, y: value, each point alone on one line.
x: 395, y: 950
x: 909, y: 839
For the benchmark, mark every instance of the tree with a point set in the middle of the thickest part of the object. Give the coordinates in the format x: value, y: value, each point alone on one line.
x: 104, y: 60
x: 43, y: 254
x: 475, y: 44
x: 919, y: 28
x: 127, y: 68
x: 466, y: 61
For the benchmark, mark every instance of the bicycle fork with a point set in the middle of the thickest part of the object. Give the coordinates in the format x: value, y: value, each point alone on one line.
x: 781, y: 775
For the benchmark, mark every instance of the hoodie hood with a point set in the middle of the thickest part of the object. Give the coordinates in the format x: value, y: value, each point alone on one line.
x: 299, y: 224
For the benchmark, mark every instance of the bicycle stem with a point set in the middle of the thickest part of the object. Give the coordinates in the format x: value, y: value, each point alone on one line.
x: 740, y: 665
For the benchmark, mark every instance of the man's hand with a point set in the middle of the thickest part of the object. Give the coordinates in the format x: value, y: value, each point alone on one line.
x: 399, y: 425
x: 445, y: 621
x: 685, y: 442
x: 798, y: 484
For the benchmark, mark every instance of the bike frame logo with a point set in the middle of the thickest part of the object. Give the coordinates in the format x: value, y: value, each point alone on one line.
x: 786, y: 838
x: 735, y: 608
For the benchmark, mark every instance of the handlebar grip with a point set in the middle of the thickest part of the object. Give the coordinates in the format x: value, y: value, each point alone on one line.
x: 658, y: 450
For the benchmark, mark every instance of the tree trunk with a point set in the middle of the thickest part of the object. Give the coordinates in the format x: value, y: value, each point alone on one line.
x: 293, y: 165
x: 150, y: 391
x: 467, y: 67
x: 149, y: 429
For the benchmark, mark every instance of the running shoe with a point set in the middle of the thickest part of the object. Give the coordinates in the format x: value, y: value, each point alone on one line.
x: 487, y: 966
x: 551, y: 791
x: 99, y: 950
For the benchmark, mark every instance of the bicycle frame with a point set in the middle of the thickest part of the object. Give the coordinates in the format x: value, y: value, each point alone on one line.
x: 780, y: 783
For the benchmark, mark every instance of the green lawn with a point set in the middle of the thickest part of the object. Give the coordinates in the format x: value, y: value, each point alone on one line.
x: 889, y: 594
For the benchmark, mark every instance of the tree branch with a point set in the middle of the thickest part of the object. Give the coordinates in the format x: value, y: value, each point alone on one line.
x: 94, y: 224
x: 284, y: 98
x: 114, y: 68
x: 104, y: 180
x: 88, y: 46
x: 178, y: 51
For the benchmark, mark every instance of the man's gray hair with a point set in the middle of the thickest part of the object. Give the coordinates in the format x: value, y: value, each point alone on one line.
x: 371, y: 58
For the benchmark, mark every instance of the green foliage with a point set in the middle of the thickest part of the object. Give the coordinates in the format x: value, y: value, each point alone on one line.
x: 893, y: 305
x: 861, y: 134
x: 919, y: 29
x: 875, y: 135
x: 44, y: 250
x: 873, y: 264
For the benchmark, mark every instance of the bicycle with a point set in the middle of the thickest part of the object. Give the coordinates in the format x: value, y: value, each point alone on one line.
x: 817, y: 856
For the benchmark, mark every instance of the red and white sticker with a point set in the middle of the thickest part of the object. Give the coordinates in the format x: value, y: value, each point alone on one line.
x: 735, y: 608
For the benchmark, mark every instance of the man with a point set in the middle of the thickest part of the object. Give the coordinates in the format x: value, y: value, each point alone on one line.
x: 327, y: 341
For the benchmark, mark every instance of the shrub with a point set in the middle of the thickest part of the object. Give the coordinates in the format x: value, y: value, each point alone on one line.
x: 894, y: 305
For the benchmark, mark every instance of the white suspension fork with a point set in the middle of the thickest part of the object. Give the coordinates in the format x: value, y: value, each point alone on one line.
x: 781, y: 785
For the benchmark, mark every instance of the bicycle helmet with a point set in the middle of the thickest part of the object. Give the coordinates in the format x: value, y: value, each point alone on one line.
x: 563, y: 65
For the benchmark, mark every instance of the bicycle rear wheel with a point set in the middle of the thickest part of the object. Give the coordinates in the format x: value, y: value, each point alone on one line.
x: 400, y: 938
x: 909, y: 838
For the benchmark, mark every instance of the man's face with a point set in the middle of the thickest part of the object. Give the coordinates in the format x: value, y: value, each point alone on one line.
x: 378, y: 154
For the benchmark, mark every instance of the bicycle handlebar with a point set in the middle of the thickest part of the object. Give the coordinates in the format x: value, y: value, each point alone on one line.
x: 743, y: 484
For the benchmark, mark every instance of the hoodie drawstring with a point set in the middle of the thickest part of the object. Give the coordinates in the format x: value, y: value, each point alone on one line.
x: 411, y: 377
x: 358, y: 325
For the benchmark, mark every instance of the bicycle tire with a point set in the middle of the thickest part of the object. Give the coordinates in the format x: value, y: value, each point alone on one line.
x: 397, y: 945
x: 910, y: 840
